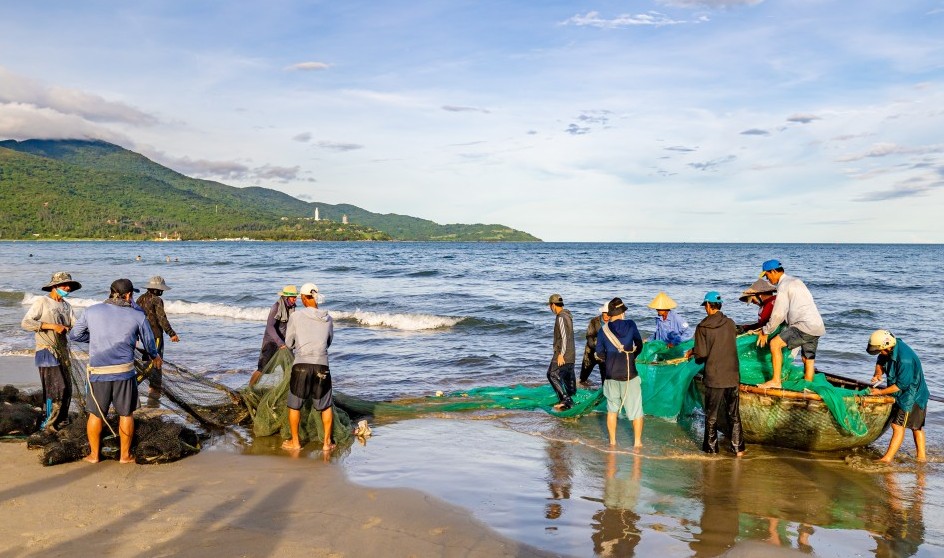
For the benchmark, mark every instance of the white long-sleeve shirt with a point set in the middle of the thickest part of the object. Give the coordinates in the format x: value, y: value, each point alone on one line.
x: 795, y: 306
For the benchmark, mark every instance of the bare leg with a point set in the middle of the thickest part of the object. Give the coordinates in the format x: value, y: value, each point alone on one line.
x: 776, y: 361
x: 637, y: 432
x: 327, y: 417
x: 294, y: 418
x: 920, y: 446
x: 125, y: 433
x: 809, y: 368
x: 255, y: 378
x: 611, y: 427
x: 898, y: 436
x: 93, y: 430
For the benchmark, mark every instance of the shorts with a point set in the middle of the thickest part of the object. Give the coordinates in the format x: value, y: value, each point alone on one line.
x: 913, y: 419
x: 310, y: 381
x: 123, y: 394
x: 624, y: 395
x: 794, y: 338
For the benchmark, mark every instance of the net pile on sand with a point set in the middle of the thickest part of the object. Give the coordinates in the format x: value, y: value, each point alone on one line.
x: 20, y: 412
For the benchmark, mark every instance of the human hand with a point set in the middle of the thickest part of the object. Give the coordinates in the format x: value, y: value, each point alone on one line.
x: 761, y: 340
x: 157, y: 362
x: 560, y: 360
x: 175, y: 338
x: 59, y: 328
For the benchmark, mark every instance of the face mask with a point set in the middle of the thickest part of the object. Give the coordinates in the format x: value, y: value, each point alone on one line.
x: 62, y: 293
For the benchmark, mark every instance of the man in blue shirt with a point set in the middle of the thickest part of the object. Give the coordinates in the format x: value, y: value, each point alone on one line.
x: 671, y: 328
x: 111, y: 329
x: 905, y: 382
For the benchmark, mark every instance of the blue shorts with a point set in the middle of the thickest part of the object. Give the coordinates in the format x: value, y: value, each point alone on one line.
x: 123, y: 394
x: 624, y: 395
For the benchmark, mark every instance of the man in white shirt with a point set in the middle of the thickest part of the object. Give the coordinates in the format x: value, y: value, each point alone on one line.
x: 795, y: 307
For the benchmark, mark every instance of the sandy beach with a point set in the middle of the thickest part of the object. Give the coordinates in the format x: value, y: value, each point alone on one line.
x: 221, y: 503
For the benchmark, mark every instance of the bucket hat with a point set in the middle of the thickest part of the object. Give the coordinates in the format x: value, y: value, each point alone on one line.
x: 616, y: 307
x: 662, y: 301
x: 157, y: 283
x: 62, y: 278
x: 289, y: 290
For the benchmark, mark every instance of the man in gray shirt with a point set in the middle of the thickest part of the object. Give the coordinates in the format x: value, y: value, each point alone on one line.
x: 309, y: 334
x: 561, y: 370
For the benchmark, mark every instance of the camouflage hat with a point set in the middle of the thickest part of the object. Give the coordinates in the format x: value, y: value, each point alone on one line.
x: 556, y: 299
x: 62, y: 278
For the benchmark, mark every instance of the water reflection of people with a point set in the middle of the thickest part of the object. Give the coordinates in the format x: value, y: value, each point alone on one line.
x: 720, y: 514
x: 905, y: 531
x: 559, y: 480
x: 614, y: 529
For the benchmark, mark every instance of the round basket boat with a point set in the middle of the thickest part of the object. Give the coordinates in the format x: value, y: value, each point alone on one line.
x: 801, y: 420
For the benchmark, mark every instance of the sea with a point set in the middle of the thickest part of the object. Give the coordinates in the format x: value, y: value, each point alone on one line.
x: 412, y: 319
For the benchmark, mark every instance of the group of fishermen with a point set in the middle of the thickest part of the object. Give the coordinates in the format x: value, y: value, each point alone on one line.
x: 614, y: 342
x: 114, y: 327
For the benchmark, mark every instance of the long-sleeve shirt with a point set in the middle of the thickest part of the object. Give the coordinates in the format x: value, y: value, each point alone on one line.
x: 275, y: 328
x: 153, y: 307
x: 903, y: 369
x: 620, y: 365
x: 309, y: 334
x: 716, y: 348
x: 49, y: 344
x: 763, y: 315
x: 111, y: 330
x: 564, y: 337
x: 795, y: 306
x: 672, y: 330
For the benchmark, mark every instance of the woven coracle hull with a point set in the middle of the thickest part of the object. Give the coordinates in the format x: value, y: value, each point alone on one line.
x: 802, y: 421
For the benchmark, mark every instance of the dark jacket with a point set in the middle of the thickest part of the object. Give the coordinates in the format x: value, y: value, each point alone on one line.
x: 619, y: 365
x: 153, y: 307
x: 276, y: 328
x: 593, y: 328
x: 716, y: 348
x: 564, y: 337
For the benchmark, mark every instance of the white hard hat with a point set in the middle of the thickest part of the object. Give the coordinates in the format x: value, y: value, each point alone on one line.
x: 880, y: 340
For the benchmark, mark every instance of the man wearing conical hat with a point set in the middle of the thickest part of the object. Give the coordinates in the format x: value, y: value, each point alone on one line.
x: 671, y: 328
x: 764, y: 295
x: 51, y: 317
x: 276, y: 325
x: 153, y: 306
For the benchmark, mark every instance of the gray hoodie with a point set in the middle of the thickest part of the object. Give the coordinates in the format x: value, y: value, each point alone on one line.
x: 309, y: 334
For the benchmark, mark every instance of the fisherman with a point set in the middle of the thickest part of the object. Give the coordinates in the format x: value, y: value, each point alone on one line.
x: 589, y: 352
x: 51, y: 317
x: 618, y: 345
x: 276, y: 324
x: 561, y: 370
x: 111, y: 329
x: 905, y: 382
x: 764, y: 295
x: 716, y: 348
x: 309, y: 334
x: 671, y: 328
x: 153, y: 306
x: 794, y: 306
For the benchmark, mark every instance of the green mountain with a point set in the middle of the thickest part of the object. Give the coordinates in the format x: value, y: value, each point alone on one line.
x: 94, y: 189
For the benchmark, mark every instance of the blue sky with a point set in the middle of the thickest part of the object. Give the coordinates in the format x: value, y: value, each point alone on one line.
x: 667, y: 120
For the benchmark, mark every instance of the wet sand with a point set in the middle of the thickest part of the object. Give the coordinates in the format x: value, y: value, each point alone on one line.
x: 221, y: 503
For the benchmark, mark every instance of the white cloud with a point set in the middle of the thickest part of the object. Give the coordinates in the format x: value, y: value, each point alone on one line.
x: 224, y: 170
x: 23, y: 121
x: 885, y: 149
x: 710, y: 3
x: 308, y: 66
x: 593, y: 19
x: 19, y: 89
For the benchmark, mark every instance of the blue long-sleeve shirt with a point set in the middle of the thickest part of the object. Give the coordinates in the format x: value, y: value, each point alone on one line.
x: 111, y: 330
x: 619, y: 366
x: 672, y: 330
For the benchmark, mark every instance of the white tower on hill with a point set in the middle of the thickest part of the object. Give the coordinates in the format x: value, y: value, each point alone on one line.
x: 317, y: 217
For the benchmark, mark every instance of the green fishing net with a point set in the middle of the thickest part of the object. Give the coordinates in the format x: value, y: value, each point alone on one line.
x: 267, y: 406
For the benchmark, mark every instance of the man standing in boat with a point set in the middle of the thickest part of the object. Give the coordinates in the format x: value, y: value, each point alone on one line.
x: 794, y: 306
x: 589, y: 351
x: 618, y: 345
x: 561, y: 370
x: 716, y: 348
x: 906, y: 384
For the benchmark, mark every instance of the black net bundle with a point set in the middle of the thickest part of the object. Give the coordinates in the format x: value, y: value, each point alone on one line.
x: 20, y: 412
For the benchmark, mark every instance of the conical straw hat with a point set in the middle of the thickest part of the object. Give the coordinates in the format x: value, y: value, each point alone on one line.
x: 662, y: 301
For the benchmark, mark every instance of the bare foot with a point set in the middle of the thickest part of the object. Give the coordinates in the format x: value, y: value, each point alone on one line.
x: 884, y: 460
x: 290, y: 445
x: 328, y: 447
x: 740, y: 454
x: 612, y: 443
x: 91, y: 459
x: 126, y: 461
x: 769, y: 385
x: 559, y: 407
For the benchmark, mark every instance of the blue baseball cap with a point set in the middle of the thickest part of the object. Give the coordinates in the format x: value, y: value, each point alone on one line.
x: 769, y: 265
x: 712, y: 296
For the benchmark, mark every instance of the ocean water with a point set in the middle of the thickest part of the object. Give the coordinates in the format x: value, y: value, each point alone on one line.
x: 414, y: 318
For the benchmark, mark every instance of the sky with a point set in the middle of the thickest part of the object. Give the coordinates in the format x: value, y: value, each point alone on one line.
x: 646, y: 121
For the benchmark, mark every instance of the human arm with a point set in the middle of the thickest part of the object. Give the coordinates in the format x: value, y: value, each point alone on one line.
x: 777, y: 315
x: 700, y: 350
x: 330, y: 332
x: 80, y: 332
x: 32, y: 321
x: 291, y: 337
x: 271, y: 333
x: 146, y: 336
x: 564, y: 332
x: 162, y: 319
